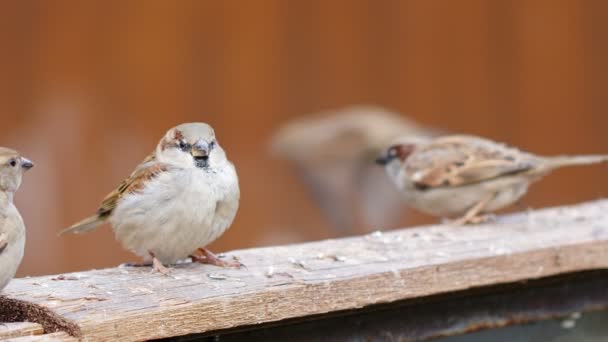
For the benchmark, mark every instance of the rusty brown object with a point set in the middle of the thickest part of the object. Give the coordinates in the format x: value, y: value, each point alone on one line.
x: 13, y: 310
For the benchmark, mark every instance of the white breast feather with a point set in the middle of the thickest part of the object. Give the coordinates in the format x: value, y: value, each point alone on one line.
x: 177, y: 212
x: 11, y: 256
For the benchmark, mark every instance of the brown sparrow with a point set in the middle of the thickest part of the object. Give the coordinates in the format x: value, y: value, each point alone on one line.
x: 179, y: 199
x: 12, y: 228
x: 333, y: 152
x: 467, y: 176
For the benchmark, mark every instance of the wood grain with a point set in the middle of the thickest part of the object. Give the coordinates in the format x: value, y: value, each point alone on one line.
x: 314, y: 278
x: 53, y: 337
x: 27, y: 331
x: 9, y: 330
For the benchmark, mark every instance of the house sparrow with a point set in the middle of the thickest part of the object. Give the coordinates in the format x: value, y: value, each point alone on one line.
x: 334, y: 152
x: 179, y: 199
x: 12, y: 228
x: 466, y: 176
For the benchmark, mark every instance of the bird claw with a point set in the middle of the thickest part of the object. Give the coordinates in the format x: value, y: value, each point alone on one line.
x: 207, y: 257
x: 158, y: 266
x: 465, y: 220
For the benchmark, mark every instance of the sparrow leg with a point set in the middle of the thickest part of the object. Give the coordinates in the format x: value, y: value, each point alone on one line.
x: 473, y: 216
x: 158, y: 266
x: 482, y: 219
x: 207, y: 257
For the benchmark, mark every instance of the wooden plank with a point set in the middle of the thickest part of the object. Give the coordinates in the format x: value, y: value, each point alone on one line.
x: 8, y: 330
x: 53, y: 337
x: 292, y: 281
x: 458, y: 313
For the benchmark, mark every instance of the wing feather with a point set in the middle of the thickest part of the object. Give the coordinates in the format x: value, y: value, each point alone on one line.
x: 147, y: 171
x: 463, y: 160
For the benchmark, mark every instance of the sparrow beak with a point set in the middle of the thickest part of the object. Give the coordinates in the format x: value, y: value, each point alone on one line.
x: 200, y: 153
x: 26, y: 164
x: 200, y: 149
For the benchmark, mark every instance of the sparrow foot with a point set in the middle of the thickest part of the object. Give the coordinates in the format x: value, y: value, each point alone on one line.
x: 159, y: 267
x: 156, y: 265
x: 474, y: 215
x: 479, y: 219
x: 207, y: 257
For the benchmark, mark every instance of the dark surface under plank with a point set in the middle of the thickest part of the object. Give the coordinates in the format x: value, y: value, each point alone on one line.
x: 441, y: 315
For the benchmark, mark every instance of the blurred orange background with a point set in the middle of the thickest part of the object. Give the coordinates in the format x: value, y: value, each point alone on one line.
x: 88, y: 88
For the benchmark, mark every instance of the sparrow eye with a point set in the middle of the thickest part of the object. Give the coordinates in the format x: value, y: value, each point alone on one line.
x: 212, y: 145
x: 12, y: 163
x: 184, y: 146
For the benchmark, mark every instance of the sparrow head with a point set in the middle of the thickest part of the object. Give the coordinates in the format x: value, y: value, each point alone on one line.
x: 394, y: 157
x: 394, y: 153
x: 191, y: 145
x: 12, y: 167
x: 400, y: 149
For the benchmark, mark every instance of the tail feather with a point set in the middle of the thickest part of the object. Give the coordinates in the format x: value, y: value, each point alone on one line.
x: 84, y: 226
x: 561, y: 161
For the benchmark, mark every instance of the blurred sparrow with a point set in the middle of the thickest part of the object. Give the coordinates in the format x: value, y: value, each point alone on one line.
x: 12, y: 228
x: 467, y: 176
x: 178, y: 200
x: 334, y: 151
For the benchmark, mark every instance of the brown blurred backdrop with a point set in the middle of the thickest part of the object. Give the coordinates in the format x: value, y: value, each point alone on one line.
x: 88, y: 87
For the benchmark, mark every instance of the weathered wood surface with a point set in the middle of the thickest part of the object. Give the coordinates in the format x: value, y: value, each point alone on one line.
x: 565, y: 297
x: 30, y: 332
x: 314, y: 278
x: 9, y: 330
x: 52, y: 337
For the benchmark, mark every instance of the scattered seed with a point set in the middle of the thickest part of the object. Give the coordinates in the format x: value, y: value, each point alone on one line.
x: 270, y: 272
x: 217, y: 276
x: 298, y: 263
x: 333, y: 257
x: 568, y: 323
x: 376, y: 234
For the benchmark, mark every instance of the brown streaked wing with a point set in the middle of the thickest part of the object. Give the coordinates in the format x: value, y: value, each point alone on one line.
x: 149, y: 158
x: 454, y: 163
x: 135, y: 182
